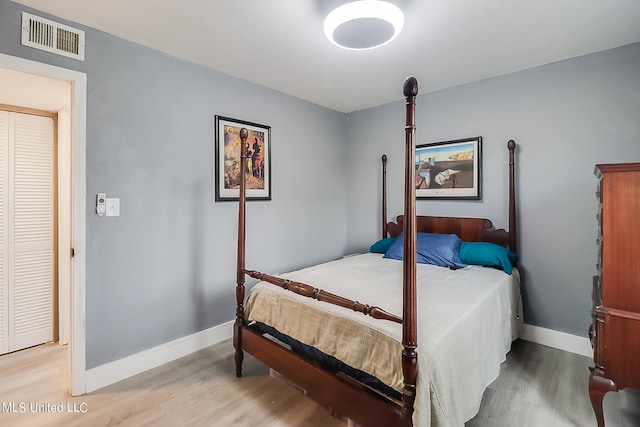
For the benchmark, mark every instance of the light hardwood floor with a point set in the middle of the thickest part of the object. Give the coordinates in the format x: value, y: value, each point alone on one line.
x: 538, y: 386
x: 546, y: 387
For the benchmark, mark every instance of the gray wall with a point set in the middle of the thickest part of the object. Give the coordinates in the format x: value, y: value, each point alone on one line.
x: 166, y: 267
x: 566, y: 117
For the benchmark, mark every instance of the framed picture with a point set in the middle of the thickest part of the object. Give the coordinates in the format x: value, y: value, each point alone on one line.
x: 227, y: 159
x: 449, y: 169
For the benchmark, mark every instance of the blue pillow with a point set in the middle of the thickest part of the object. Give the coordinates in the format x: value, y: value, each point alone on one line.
x: 382, y: 245
x: 436, y: 249
x: 488, y: 254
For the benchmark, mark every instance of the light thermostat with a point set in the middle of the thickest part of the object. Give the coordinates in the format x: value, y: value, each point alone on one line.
x: 101, y: 203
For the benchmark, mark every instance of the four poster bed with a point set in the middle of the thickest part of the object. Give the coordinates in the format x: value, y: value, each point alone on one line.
x: 363, y: 362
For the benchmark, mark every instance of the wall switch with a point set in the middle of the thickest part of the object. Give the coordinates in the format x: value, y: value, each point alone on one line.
x: 113, y: 207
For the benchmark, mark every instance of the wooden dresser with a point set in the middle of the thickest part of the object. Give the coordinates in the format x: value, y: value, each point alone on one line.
x: 615, y: 332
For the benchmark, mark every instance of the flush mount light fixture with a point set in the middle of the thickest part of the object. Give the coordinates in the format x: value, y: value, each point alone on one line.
x: 364, y: 24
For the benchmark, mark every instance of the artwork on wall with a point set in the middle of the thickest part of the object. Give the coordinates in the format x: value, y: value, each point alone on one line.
x: 449, y: 169
x: 227, y: 159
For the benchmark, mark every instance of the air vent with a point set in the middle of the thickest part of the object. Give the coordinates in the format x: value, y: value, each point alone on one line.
x: 52, y: 37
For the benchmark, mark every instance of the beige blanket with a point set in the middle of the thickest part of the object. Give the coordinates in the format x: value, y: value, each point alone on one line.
x: 467, y: 320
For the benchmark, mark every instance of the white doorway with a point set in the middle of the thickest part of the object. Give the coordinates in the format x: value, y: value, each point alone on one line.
x: 31, y: 84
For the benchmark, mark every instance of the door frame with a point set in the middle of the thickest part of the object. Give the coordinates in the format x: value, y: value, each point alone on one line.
x: 78, y: 97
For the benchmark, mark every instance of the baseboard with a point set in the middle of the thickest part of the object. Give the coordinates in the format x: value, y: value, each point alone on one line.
x: 556, y: 339
x: 118, y: 370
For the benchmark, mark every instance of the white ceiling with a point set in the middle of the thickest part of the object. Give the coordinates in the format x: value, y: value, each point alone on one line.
x: 280, y: 44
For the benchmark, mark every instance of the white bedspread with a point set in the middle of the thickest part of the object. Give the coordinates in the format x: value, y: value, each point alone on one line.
x: 467, y: 320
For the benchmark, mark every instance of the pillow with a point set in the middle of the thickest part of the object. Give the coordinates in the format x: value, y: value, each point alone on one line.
x: 436, y: 249
x: 382, y: 245
x: 488, y: 254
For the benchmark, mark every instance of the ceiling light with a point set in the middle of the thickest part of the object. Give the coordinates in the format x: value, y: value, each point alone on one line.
x: 365, y: 24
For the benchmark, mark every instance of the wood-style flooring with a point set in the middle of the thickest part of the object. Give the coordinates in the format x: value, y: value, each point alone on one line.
x: 538, y: 386
x: 541, y: 386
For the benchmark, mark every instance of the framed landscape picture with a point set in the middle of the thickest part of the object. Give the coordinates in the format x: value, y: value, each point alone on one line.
x: 449, y: 169
x: 227, y: 159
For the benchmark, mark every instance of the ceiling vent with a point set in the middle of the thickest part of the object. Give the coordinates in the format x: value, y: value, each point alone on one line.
x: 52, y: 37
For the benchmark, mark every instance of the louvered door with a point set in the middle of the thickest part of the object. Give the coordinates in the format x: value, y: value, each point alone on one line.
x: 28, y: 256
x: 4, y: 246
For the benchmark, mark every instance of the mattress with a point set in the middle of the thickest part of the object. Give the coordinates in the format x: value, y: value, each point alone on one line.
x: 467, y: 319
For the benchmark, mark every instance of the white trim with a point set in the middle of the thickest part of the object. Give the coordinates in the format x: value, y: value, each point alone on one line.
x: 78, y: 291
x: 78, y: 80
x: 65, y: 221
x: 556, y: 339
x: 118, y: 370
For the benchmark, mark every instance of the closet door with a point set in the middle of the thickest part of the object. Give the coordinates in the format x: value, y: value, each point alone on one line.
x: 4, y: 246
x: 29, y: 234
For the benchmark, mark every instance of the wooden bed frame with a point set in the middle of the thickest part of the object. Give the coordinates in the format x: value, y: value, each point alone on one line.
x: 339, y: 393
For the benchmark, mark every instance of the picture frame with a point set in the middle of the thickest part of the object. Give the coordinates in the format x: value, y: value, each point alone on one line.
x: 227, y: 159
x: 449, y: 169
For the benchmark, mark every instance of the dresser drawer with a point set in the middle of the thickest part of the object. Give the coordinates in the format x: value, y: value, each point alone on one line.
x: 620, y: 354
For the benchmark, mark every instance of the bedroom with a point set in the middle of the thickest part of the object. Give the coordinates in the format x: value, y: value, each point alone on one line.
x: 150, y: 143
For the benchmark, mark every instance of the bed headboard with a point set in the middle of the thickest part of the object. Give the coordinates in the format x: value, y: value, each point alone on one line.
x: 468, y: 229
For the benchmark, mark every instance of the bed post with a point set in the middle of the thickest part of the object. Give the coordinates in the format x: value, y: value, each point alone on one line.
x: 513, y: 229
x: 384, y: 196
x: 409, y: 311
x: 237, y: 327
